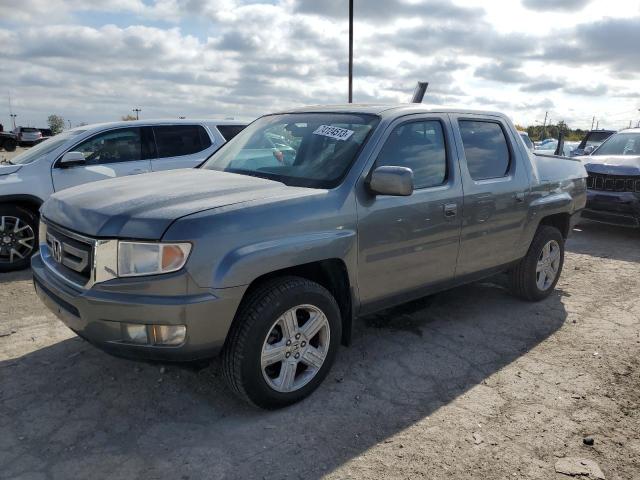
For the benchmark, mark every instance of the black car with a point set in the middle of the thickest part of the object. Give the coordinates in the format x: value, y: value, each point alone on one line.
x: 613, y: 194
x: 592, y: 140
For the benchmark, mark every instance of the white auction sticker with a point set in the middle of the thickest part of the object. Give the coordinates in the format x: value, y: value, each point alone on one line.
x: 333, y: 132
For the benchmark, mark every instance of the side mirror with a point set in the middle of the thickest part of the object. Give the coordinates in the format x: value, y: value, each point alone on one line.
x: 71, y: 159
x: 388, y: 180
x: 589, y: 150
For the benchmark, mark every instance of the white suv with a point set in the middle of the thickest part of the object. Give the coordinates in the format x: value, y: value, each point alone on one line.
x: 90, y: 153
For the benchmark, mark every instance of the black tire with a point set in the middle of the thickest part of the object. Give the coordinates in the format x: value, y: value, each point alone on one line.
x: 26, y: 217
x: 10, y: 144
x: 523, y: 277
x: 254, y: 321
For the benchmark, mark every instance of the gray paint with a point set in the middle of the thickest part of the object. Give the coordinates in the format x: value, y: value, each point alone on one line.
x: 243, y: 227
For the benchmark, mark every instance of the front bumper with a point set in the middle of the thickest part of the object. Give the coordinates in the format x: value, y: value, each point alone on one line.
x: 615, y: 208
x: 97, y: 314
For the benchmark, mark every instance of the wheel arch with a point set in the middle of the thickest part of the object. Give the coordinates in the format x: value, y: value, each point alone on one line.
x: 561, y: 221
x: 332, y: 274
x: 28, y: 202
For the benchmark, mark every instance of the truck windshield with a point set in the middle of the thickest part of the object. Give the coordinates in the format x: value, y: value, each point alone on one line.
x: 44, y: 148
x: 300, y: 149
x: 620, y: 144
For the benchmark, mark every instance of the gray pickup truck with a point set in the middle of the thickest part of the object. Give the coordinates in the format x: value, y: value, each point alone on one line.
x: 266, y: 255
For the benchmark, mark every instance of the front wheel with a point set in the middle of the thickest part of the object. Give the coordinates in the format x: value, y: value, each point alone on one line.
x: 18, y: 237
x: 536, y: 275
x: 282, y: 343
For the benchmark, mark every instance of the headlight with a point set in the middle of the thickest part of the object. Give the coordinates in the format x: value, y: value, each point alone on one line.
x: 145, y: 258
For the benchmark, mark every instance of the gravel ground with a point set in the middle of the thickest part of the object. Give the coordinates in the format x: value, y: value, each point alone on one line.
x: 470, y: 383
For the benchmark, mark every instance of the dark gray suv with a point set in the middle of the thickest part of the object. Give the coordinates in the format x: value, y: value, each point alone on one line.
x: 303, y: 221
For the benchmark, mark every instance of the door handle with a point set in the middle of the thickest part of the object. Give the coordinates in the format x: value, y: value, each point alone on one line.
x: 137, y: 171
x: 520, y: 196
x: 450, y: 210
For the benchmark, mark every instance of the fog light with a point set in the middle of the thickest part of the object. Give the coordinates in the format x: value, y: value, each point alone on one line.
x: 135, y: 333
x: 169, y: 334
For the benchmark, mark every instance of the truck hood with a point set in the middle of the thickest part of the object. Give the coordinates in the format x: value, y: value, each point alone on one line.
x: 144, y: 206
x: 612, y: 164
x: 7, y: 168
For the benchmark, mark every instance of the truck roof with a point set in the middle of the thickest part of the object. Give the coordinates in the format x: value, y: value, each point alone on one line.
x: 388, y: 110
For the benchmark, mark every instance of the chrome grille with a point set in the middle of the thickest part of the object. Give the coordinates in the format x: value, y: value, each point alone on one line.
x: 69, y: 254
x: 613, y: 183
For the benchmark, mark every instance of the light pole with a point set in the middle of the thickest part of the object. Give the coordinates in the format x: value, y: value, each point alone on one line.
x: 13, y: 119
x: 137, y: 110
x: 350, y: 51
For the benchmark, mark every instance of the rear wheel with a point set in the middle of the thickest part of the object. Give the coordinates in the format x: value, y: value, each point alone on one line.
x: 18, y: 237
x: 536, y: 275
x: 9, y: 144
x: 283, y: 342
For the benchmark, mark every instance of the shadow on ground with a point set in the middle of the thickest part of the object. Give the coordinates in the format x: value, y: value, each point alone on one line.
x: 605, y: 241
x: 15, y: 276
x: 71, y: 411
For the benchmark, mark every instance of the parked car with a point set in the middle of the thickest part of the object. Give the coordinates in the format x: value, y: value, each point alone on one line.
x: 527, y: 141
x: 550, y: 148
x: 90, y: 153
x: 592, y: 140
x: 8, y: 141
x: 270, y: 264
x: 27, y: 136
x: 613, y: 194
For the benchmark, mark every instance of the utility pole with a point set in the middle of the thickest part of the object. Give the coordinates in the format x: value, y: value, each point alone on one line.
x: 544, y: 126
x: 137, y: 110
x: 69, y: 123
x: 350, y: 51
x: 597, y: 124
x: 593, y: 120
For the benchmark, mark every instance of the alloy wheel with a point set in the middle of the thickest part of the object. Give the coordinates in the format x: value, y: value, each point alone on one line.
x: 295, y: 348
x: 17, y: 239
x: 548, y: 265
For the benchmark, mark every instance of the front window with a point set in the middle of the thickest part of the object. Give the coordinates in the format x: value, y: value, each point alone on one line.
x: 113, y: 146
x: 620, y: 144
x: 44, y: 148
x: 301, y: 149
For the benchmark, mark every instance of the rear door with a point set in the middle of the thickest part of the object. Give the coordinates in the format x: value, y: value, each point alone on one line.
x: 108, y: 154
x: 496, y: 188
x: 181, y: 146
x: 406, y: 244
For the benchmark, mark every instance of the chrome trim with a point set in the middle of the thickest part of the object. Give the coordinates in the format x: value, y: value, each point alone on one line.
x: 105, y: 256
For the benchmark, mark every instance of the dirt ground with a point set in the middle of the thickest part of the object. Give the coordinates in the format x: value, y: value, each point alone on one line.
x: 4, y: 155
x: 470, y: 383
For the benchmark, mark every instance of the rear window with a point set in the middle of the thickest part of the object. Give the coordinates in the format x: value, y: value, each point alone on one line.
x: 29, y: 129
x: 178, y: 140
x: 485, y: 148
x: 230, y: 131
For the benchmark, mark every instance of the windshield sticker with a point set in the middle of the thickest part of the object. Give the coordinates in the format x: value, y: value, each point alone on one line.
x: 333, y: 132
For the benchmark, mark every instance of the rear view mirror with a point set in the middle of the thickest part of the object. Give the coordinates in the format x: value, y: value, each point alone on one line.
x: 71, y: 159
x: 389, y: 180
x: 589, y: 150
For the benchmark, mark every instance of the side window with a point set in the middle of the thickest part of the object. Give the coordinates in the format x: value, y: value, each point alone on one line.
x: 121, y: 145
x: 419, y: 146
x: 177, y: 140
x: 230, y: 131
x: 485, y: 148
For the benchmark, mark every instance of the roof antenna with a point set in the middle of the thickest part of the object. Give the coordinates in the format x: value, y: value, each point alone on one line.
x: 418, y: 93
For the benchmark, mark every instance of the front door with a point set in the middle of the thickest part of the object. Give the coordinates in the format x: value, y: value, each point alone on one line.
x: 406, y: 244
x: 114, y: 153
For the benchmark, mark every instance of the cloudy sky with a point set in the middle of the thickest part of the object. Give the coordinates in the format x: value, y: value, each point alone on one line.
x: 95, y: 60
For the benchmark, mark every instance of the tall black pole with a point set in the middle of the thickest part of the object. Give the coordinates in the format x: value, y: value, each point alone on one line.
x: 350, y: 51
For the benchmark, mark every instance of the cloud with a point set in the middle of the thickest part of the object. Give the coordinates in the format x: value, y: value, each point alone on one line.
x: 506, y: 72
x: 556, y: 5
x: 594, y: 90
x: 386, y: 9
x: 542, y: 86
x: 612, y: 42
